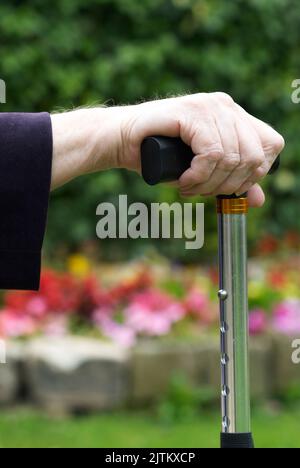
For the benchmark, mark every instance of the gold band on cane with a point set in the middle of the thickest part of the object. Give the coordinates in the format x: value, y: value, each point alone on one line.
x: 232, y: 205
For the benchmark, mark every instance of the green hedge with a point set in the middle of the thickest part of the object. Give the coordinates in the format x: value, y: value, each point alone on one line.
x: 66, y: 53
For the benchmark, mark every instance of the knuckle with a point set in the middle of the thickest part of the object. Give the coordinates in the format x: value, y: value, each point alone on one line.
x: 224, y: 98
x: 196, y: 164
x: 230, y: 162
x: 275, y: 144
x: 193, y: 100
x: 278, y: 144
x: 256, y: 160
x: 259, y: 173
x: 215, y: 155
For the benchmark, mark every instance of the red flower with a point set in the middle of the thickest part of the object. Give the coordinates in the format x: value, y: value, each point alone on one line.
x: 277, y: 278
x: 124, y: 291
x: 214, y: 275
x: 17, y: 300
x: 93, y: 295
x: 292, y: 239
x: 267, y: 245
x: 61, y: 291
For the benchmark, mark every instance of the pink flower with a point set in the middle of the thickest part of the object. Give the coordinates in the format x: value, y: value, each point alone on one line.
x: 119, y: 333
x: 56, y: 326
x: 153, y: 313
x: 257, y: 321
x: 101, y: 313
x: 15, y: 324
x: 287, y: 317
x: 197, y: 304
x: 142, y: 321
x: 195, y: 300
x: 36, y: 306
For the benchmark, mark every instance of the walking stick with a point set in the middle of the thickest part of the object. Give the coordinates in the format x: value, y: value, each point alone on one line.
x: 165, y: 159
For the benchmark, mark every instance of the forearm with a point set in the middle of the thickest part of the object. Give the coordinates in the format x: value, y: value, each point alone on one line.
x: 84, y: 141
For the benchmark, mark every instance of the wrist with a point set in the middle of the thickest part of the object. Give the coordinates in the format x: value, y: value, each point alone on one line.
x: 84, y: 141
x: 105, y: 127
x: 71, y: 145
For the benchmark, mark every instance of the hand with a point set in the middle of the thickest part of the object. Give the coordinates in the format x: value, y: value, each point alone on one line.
x: 233, y: 150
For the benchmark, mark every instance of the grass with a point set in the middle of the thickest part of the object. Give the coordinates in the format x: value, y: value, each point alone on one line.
x: 24, y: 428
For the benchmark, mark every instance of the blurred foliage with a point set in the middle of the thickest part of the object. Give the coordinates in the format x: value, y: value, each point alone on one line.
x: 291, y: 395
x: 183, y: 400
x: 66, y: 53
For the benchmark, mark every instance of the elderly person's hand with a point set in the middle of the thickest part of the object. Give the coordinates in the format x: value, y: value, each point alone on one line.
x: 233, y: 150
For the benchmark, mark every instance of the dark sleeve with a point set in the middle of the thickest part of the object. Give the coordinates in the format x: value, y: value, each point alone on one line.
x: 25, y: 174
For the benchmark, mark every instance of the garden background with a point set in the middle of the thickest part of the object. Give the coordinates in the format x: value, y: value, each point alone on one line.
x: 63, y: 54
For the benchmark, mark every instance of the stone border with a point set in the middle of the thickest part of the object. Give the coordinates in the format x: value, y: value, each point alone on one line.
x: 74, y: 373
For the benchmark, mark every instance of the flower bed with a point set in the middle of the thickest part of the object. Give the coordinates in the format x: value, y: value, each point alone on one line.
x: 124, y: 302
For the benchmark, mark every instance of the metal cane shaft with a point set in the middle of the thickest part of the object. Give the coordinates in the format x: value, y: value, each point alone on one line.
x: 234, y: 323
x: 234, y: 315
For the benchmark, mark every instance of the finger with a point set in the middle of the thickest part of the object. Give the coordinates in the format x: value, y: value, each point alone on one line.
x: 225, y: 122
x: 256, y: 196
x: 193, y: 191
x: 272, y: 142
x: 207, y: 147
x: 257, y: 175
x: 252, y: 157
